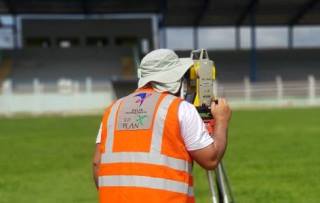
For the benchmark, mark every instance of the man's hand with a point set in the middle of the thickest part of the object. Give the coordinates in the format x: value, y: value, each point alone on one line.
x: 222, y: 114
x: 96, y: 164
x: 221, y: 111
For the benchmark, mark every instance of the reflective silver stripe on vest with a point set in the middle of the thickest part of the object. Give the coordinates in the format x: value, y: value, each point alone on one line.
x: 148, y: 158
x: 145, y: 182
x: 111, y: 124
x: 159, y: 121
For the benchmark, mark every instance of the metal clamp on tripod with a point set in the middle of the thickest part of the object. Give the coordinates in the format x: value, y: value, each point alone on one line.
x: 199, y: 89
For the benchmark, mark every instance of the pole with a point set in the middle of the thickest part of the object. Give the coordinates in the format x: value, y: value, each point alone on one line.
x: 253, y: 51
x: 237, y: 38
x: 290, y: 37
x: 195, y: 37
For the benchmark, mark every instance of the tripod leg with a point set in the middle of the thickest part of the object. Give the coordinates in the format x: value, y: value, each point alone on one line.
x: 227, y: 184
x: 223, y: 184
x: 212, y: 188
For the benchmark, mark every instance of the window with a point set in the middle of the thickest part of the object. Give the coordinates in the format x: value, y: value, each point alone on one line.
x: 67, y: 42
x: 7, y: 20
x: 144, y: 45
x: 126, y: 41
x: 97, y: 41
x: 43, y: 42
x: 6, y: 38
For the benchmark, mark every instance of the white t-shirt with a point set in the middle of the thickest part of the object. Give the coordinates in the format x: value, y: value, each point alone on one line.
x: 193, y: 130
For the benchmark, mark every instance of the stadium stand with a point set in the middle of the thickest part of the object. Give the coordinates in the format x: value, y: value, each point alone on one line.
x: 103, y: 64
x: 73, y: 63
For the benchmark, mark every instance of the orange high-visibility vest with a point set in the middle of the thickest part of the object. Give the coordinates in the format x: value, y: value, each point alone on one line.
x: 143, y: 156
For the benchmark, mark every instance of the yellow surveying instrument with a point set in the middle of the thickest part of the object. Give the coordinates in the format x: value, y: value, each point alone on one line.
x: 199, y: 89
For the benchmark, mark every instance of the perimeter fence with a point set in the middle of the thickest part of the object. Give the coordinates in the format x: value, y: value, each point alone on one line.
x: 68, y: 96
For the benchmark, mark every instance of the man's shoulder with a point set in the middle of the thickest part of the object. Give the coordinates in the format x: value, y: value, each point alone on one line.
x: 186, y: 105
x: 186, y: 109
x: 108, y: 108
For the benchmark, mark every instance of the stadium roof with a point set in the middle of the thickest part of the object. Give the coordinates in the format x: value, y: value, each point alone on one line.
x: 182, y: 12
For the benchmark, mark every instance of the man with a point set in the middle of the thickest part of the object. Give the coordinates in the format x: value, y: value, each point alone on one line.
x: 149, y: 139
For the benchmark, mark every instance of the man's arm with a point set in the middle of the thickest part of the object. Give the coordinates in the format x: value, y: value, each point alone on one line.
x: 210, y: 156
x: 96, y: 163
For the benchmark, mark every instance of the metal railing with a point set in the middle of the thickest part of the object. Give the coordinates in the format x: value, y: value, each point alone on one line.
x: 88, y: 94
x: 277, y: 90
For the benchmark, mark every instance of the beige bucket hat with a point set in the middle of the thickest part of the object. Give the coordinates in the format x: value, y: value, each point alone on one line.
x: 163, y: 66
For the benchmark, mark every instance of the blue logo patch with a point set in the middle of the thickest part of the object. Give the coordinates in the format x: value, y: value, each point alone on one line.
x: 142, y: 97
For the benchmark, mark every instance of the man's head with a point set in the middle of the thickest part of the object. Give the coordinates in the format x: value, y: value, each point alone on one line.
x: 163, y: 69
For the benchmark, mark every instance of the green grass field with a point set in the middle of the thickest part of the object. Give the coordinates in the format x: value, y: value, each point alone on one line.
x: 273, y: 156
